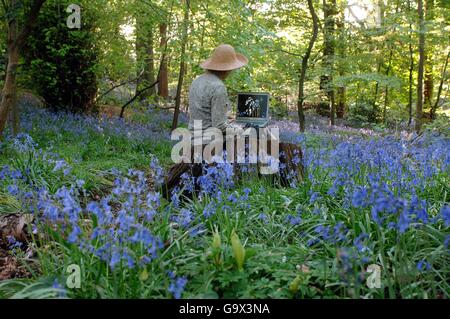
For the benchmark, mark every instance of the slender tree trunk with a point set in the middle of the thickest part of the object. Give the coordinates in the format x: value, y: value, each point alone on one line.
x: 139, y: 47
x: 386, y: 90
x: 304, y: 67
x: 375, y: 104
x: 202, y: 38
x: 145, y: 59
x: 149, y: 65
x: 163, y: 81
x: 419, y: 103
x: 329, y: 11
x: 341, y: 46
x: 411, y: 69
x: 182, y: 66
x: 428, y: 63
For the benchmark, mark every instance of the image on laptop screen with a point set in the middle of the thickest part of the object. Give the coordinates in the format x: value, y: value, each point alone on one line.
x: 253, y: 105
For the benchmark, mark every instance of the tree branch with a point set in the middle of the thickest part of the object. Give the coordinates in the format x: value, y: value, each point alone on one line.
x: 138, y: 93
x: 136, y: 96
x: 118, y: 85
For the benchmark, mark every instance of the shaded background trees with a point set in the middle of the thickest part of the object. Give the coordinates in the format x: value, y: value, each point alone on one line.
x: 60, y: 64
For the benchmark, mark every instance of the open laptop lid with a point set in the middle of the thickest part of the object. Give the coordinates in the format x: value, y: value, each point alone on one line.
x: 252, y: 106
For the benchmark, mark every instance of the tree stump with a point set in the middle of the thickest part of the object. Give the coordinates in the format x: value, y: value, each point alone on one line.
x: 291, y: 170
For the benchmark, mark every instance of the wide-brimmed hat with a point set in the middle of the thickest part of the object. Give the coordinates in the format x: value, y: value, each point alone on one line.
x: 224, y: 58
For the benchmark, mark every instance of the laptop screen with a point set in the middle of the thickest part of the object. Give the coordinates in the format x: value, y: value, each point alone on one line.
x: 253, y: 105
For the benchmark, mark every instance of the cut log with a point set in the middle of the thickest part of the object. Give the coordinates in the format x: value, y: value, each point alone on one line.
x: 291, y: 170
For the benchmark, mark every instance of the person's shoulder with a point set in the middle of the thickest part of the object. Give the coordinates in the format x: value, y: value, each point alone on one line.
x: 216, y: 83
x: 198, y: 79
x: 209, y: 84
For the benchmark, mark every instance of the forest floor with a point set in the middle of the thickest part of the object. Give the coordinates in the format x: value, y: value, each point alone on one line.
x: 370, y: 197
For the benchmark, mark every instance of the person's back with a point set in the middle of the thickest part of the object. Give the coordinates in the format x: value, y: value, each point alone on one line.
x: 208, y: 98
x: 208, y: 102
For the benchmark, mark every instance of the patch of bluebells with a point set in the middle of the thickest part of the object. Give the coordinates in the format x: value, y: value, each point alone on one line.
x: 20, y: 177
x: 177, y: 285
x: 122, y: 235
x: 294, y: 219
x: 389, y: 209
x: 351, y: 264
x: 84, y: 125
x: 335, y: 234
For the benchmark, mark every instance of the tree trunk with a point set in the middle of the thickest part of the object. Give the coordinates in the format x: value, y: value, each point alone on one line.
x: 419, y: 103
x: 304, y: 67
x: 341, y: 47
x: 149, y: 66
x: 139, y: 47
x: 145, y: 58
x: 9, y: 93
x: 386, y: 90
x: 374, y: 117
x: 163, y: 81
x: 329, y: 11
x: 182, y: 66
x: 411, y: 69
x: 375, y: 106
x: 16, y: 41
x: 428, y: 63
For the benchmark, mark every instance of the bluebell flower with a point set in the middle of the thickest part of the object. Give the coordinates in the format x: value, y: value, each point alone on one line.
x: 263, y: 217
x: 177, y: 286
x: 62, y: 292
x: 314, y: 197
x: 423, y: 265
x: 13, y: 189
x: 73, y: 237
x: 115, y: 258
x: 197, y: 230
x: 232, y: 198
x: 445, y: 213
x: 403, y: 222
x: 359, y: 197
x: 13, y: 243
x: 293, y: 220
x: 446, y: 241
x: 359, y: 242
x: 185, y: 217
x: 209, y: 210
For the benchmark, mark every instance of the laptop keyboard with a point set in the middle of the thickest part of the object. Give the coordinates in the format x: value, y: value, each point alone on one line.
x: 258, y: 122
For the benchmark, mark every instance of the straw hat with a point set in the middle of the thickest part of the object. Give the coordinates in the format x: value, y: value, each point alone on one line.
x: 224, y: 58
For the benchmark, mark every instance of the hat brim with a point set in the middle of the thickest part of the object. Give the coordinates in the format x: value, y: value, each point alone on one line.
x: 240, y: 61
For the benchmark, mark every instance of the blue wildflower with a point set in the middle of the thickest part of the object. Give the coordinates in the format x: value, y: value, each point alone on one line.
x: 445, y: 213
x: 423, y: 265
x: 177, y: 286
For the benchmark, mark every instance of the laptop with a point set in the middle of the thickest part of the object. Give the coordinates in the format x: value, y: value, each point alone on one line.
x: 253, y: 108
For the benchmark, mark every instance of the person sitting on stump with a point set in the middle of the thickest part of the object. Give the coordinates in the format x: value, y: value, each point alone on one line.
x: 209, y: 105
